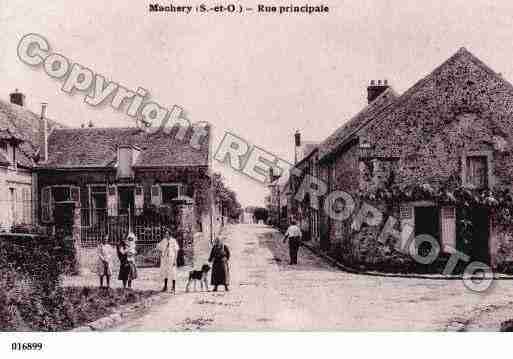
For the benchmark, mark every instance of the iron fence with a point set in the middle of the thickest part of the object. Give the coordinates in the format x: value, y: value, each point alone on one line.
x: 147, y: 224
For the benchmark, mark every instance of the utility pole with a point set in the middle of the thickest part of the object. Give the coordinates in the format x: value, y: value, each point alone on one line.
x: 211, y: 194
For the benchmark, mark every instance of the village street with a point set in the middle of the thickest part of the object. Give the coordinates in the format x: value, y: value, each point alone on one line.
x: 268, y: 294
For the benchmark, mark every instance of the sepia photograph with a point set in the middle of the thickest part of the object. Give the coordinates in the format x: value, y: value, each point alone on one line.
x: 238, y: 171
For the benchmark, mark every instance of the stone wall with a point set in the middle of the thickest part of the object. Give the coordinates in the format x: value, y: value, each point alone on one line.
x: 462, y: 108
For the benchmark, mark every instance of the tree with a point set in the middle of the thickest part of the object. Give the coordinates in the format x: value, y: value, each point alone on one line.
x: 260, y: 213
x: 226, y: 197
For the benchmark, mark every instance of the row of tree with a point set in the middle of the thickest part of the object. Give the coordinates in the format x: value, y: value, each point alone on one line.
x: 227, y: 198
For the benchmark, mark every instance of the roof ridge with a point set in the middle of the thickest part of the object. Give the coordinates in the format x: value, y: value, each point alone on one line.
x: 462, y: 51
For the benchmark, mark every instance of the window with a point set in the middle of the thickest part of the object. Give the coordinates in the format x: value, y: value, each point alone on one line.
x: 9, y: 151
x: 60, y: 194
x: 27, y: 205
x: 3, y: 147
x: 126, y: 199
x: 477, y: 171
x: 99, y: 197
x: 98, y: 207
x: 12, y: 204
x: 170, y: 192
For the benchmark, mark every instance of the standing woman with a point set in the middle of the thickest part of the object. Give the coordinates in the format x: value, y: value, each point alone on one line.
x: 104, y: 264
x: 168, y: 248
x: 219, y: 256
x: 126, y: 254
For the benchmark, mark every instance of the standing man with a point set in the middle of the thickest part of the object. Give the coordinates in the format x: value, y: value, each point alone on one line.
x: 168, y: 248
x: 293, y: 234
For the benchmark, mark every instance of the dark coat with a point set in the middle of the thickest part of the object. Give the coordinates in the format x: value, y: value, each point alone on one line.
x: 219, y: 257
x: 127, y: 269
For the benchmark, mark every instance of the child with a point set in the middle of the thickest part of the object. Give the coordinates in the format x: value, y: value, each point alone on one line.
x: 104, y: 264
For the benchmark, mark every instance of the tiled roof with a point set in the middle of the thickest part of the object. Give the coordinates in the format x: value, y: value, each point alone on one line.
x: 443, y: 88
x: 351, y: 127
x: 97, y: 147
x: 23, y: 124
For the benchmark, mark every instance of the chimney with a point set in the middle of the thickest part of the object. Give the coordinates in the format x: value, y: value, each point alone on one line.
x: 297, y: 143
x: 297, y: 138
x: 43, y: 134
x: 374, y: 90
x: 17, y: 98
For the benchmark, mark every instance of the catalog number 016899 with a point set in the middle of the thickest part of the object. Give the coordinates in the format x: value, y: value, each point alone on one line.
x: 26, y: 346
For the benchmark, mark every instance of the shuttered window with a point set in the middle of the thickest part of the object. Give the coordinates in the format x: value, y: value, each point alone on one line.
x: 477, y: 171
x: 139, y: 200
x: 156, y: 197
x: 112, y: 201
x: 46, y: 205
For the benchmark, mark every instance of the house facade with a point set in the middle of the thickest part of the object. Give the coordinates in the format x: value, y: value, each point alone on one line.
x: 302, y: 208
x: 19, y: 149
x: 436, y: 158
x: 108, y: 181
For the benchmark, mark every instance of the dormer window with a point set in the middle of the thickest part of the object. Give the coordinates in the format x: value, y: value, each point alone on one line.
x: 127, y: 156
x: 3, y: 150
x: 8, y: 150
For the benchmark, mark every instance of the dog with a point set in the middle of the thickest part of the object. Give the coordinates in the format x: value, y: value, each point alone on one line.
x: 199, y: 275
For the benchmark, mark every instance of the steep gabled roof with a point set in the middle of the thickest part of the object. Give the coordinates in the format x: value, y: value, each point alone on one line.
x: 461, y: 84
x: 23, y: 124
x: 97, y: 148
x: 346, y: 132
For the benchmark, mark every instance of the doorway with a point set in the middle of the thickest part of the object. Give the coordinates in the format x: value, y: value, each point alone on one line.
x: 64, y: 217
x: 479, y: 243
x: 427, y: 221
x: 126, y: 199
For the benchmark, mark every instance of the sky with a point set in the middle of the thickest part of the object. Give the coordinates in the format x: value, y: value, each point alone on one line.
x: 259, y: 76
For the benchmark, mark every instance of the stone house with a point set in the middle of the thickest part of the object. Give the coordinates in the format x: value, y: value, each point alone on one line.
x: 304, y: 212
x: 19, y: 152
x: 98, y: 181
x: 437, y: 158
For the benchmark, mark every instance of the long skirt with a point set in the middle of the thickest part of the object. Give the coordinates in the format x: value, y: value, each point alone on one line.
x: 127, y: 271
x: 220, y: 272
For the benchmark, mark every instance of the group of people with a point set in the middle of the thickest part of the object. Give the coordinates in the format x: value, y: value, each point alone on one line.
x: 169, y: 249
x: 126, y: 251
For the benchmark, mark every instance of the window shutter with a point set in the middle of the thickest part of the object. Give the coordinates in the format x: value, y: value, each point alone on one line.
x: 112, y: 201
x: 139, y: 200
x: 448, y: 229
x: 26, y: 204
x: 46, y: 205
x: 156, y: 195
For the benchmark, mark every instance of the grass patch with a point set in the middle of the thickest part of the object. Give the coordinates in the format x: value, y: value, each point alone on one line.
x: 69, y: 307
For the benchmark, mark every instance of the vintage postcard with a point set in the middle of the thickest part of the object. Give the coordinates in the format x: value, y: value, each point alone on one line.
x: 217, y: 166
